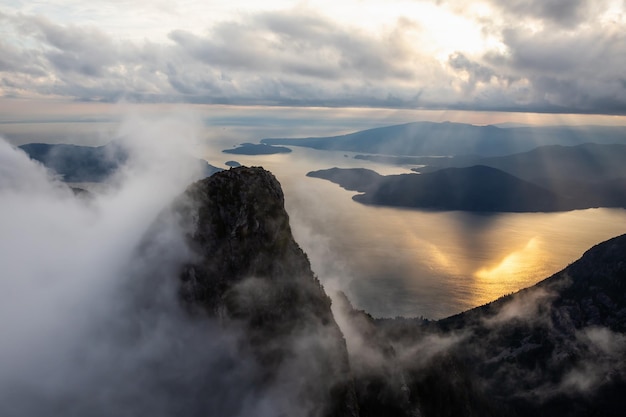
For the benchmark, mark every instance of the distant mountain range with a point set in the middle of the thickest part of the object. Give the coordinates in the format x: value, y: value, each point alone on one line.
x: 476, y: 188
x: 588, y: 162
x: 446, y: 139
x: 78, y: 163
x: 548, y: 178
x: 75, y: 163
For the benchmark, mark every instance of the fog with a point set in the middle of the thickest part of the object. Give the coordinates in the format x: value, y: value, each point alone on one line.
x: 90, y: 313
x: 90, y: 328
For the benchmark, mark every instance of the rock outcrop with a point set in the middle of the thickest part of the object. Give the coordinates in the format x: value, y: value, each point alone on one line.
x: 249, y: 272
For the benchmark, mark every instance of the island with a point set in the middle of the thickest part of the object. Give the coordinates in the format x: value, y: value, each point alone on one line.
x: 477, y: 188
x: 257, y: 149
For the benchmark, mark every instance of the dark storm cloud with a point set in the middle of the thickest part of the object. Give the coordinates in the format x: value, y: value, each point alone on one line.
x: 384, y: 57
x: 14, y: 60
x: 582, y: 53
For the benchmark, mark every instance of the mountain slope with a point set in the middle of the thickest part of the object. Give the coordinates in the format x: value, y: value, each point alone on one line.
x: 256, y: 149
x: 557, y: 348
x: 76, y: 163
x: 587, y: 162
x: 249, y: 271
x: 594, y: 175
x: 427, y: 138
x: 570, y: 326
x: 476, y: 188
x: 352, y: 179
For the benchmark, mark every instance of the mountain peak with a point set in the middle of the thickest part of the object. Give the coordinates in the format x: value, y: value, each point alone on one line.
x: 249, y: 271
x: 241, y: 230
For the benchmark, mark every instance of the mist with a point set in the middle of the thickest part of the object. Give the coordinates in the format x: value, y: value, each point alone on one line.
x: 91, y: 325
x: 90, y: 297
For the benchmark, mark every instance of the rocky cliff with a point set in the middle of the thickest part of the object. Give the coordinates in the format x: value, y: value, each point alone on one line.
x: 248, y: 271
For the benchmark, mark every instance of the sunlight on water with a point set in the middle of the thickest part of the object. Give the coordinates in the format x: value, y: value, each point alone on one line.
x: 496, y: 280
x: 412, y: 262
x: 438, y: 264
x: 512, y: 263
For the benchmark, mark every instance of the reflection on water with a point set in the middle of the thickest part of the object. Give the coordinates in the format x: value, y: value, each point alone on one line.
x: 513, y: 262
x: 410, y: 262
x: 511, y: 266
x: 518, y: 269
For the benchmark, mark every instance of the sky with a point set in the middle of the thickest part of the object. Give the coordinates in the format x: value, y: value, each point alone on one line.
x: 538, y: 56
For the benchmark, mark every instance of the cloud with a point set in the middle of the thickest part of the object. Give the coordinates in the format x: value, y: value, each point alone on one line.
x: 76, y: 61
x: 476, y: 72
x: 547, y: 56
x: 294, y: 57
x: 566, y: 70
x: 89, y: 326
x: 90, y: 306
x: 565, y: 13
x: 601, y: 362
x: 278, y: 57
x: 544, y: 56
x: 299, y: 57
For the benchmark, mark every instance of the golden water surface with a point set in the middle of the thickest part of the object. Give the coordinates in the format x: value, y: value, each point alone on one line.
x: 424, y: 263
